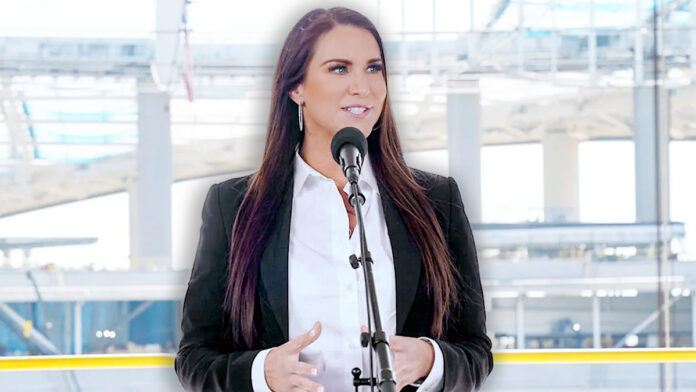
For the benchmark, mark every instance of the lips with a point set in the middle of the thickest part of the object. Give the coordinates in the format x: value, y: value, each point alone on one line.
x: 354, y: 115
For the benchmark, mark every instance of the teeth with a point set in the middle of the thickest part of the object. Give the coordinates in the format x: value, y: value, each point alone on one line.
x: 356, y: 110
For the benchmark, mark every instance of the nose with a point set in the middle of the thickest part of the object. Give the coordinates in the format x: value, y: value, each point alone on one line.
x: 359, y: 84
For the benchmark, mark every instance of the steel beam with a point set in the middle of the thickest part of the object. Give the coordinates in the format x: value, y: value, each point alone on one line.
x: 18, y: 325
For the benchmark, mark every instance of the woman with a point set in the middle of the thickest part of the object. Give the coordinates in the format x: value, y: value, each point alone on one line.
x: 283, y: 309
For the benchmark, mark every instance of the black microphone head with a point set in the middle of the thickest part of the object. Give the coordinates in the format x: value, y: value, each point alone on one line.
x: 348, y: 135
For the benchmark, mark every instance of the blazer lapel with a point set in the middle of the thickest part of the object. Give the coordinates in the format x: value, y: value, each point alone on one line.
x: 407, y: 262
x: 273, y: 269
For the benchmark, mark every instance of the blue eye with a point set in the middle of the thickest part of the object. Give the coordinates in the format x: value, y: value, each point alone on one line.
x: 337, y: 67
x: 377, y: 67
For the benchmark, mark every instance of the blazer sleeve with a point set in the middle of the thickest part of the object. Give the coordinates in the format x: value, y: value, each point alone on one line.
x: 467, y: 349
x: 203, y: 363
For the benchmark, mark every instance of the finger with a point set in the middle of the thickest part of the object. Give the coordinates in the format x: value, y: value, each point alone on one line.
x: 398, y: 377
x: 403, y: 379
x: 304, y: 340
x: 304, y: 384
x: 363, y: 328
x: 304, y: 368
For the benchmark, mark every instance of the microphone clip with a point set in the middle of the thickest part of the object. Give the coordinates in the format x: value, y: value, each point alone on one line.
x: 361, y: 199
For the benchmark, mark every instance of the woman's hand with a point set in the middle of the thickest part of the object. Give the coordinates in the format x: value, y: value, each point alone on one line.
x: 283, y: 370
x: 413, y: 358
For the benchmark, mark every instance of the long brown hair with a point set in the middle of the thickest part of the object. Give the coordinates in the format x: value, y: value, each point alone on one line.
x: 257, y: 213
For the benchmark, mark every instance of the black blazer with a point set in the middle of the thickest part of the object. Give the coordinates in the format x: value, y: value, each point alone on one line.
x: 207, y: 362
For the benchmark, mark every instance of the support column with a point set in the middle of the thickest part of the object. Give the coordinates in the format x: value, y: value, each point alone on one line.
x: 561, y: 178
x: 638, y: 71
x: 166, y: 67
x: 596, y: 331
x: 520, y: 36
x: 403, y: 49
x: 77, y: 328
x: 434, y: 62
x: 693, y: 41
x: 151, y: 232
x: 519, y: 319
x: 20, y: 149
x: 26, y: 257
x: 592, y: 43
x: 555, y: 40
x: 464, y: 143
x: 471, y: 39
x: 651, y: 149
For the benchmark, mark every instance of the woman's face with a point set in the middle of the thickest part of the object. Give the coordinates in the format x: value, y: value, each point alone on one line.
x: 345, y: 72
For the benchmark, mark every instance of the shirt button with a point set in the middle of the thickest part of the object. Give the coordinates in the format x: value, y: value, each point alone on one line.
x: 349, y: 286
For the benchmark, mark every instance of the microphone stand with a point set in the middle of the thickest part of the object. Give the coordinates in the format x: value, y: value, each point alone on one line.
x: 378, y: 341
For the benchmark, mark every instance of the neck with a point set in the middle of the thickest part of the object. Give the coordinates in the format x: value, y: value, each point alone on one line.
x: 316, y: 151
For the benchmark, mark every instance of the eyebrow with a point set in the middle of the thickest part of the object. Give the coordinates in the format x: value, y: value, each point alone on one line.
x: 349, y: 62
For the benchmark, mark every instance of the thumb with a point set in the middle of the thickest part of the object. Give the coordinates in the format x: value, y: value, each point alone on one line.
x: 304, y: 340
x: 363, y: 328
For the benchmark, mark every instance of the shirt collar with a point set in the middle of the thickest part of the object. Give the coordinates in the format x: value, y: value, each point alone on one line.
x: 303, y: 171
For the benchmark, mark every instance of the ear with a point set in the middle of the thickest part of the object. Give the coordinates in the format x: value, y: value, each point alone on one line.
x: 297, y: 94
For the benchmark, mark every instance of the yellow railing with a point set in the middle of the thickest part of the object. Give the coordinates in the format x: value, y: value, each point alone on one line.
x: 595, y: 356
x: 66, y: 362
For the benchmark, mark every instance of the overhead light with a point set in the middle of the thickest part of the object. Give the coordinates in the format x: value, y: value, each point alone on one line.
x: 631, y: 340
x: 629, y: 293
x: 108, y: 334
x: 576, y: 327
x: 676, y: 292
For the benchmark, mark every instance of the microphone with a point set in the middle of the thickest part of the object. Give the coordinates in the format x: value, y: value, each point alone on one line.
x: 348, y: 148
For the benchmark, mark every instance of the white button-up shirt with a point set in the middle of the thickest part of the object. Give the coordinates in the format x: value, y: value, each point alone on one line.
x: 323, y: 286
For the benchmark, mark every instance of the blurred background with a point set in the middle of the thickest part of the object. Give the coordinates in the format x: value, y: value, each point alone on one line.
x: 570, y: 127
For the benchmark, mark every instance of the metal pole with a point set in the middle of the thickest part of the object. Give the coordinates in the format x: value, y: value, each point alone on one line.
x: 66, y: 327
x: 596, y: 332
x: 77, y: 327
x: 519, y: 318
x: 22, y: 328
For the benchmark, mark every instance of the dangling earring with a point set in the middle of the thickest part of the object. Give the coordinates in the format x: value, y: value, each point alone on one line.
x: 299, y: 114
